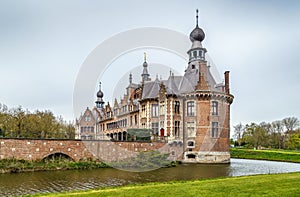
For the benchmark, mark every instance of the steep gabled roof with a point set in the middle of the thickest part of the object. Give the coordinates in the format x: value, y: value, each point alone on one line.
x: 151, y: 89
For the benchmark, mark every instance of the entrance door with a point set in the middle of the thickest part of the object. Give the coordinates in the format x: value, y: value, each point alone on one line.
x: 162, y: 132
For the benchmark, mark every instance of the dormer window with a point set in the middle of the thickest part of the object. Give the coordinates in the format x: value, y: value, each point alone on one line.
x: 193, y: 66
x: 88, y: 118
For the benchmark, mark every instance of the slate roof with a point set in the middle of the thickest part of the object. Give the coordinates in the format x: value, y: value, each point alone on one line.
x: 151, y: 89
x: 179, y: 84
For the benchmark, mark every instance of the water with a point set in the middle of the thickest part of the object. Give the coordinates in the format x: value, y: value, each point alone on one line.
x: 57, y: 181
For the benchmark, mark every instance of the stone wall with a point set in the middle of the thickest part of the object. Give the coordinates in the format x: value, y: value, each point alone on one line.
x: 33, y: 149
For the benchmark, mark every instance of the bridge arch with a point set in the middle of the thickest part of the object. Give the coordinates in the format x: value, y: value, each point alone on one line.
x: 57, y: 155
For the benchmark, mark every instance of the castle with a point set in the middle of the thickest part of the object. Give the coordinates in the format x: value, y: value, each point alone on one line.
x: 190, y: 110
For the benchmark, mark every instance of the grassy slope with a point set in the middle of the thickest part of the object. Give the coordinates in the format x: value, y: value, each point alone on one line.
x: 275, y: 155
x: 266, y: 185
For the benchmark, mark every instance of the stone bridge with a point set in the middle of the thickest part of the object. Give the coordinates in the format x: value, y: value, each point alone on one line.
x: 38, y: 149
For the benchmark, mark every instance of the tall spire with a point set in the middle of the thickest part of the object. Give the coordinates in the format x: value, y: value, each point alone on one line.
x: 130, y: 78
x: 145, y: 75
x: 197, y: 17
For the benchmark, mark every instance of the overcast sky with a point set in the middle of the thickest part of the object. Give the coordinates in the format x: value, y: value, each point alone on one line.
x: 44, y: 43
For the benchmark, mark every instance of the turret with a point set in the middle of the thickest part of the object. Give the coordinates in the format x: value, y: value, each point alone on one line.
x: 145, y: 75
x: 99, y: 102
x: 197, y: 52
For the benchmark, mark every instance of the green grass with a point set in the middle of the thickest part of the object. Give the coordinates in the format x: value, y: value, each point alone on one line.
x: 258, y: 185
x: 273, y: 155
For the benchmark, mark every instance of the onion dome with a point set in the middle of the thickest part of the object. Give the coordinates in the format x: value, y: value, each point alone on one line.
x: 197, y: 34
x: 100, y: 94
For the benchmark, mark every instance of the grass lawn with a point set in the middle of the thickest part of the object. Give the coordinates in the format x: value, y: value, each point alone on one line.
x: 258, y: 185
x: 274, y: 155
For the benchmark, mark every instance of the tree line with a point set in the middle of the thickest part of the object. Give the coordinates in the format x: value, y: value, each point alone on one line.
x: 20, y: 123
x: 279, y: 134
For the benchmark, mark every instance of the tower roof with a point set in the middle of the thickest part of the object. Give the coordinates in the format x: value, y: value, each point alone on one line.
x: 100, y: 93
x: 197, y: 34
x: 145, y: 75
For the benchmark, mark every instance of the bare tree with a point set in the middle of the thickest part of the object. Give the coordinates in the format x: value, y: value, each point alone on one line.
x: 238, y: 132
x: 277, y: 135
x: 290, y: 123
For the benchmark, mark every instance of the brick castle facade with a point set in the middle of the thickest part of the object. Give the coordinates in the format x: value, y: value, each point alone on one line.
x: 191, y: 111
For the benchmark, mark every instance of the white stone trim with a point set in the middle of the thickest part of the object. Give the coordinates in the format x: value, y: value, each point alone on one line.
x: 207, y: 157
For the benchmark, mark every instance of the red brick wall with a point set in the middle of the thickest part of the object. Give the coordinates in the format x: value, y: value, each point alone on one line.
x: 30, y: 149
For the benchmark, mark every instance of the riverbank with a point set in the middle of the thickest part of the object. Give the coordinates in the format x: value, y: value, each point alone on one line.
x: 147, y: 160
x: 271, y: 155
x: 15, y: 166
x: 257, y: 185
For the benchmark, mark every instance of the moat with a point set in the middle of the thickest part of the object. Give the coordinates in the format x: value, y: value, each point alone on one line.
x: 57, y: 181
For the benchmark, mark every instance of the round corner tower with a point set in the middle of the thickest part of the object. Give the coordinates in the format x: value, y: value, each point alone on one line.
x: 207, y: 111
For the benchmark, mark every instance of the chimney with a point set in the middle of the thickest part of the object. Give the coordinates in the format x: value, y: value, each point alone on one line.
x: 202, y: 81
x: 226, y: 74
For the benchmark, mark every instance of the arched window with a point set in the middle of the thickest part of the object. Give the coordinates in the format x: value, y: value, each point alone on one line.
x: 176, y: 107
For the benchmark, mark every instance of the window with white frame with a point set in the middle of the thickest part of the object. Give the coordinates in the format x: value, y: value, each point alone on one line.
x: 191, y: 129
x: 191, y: 144
x: 177, y: 107
x: 88, y: 118
x: 143, y: 110
x: 162, y: 124
x: 154, y: 110
x: 214, y: 129
x: 214, y: 107
x: 191, y: 108
x: 155, y: 127
x: 162, y: 109
x: 116, y: 111
x: 177, y: 128
x: 135, y: 120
